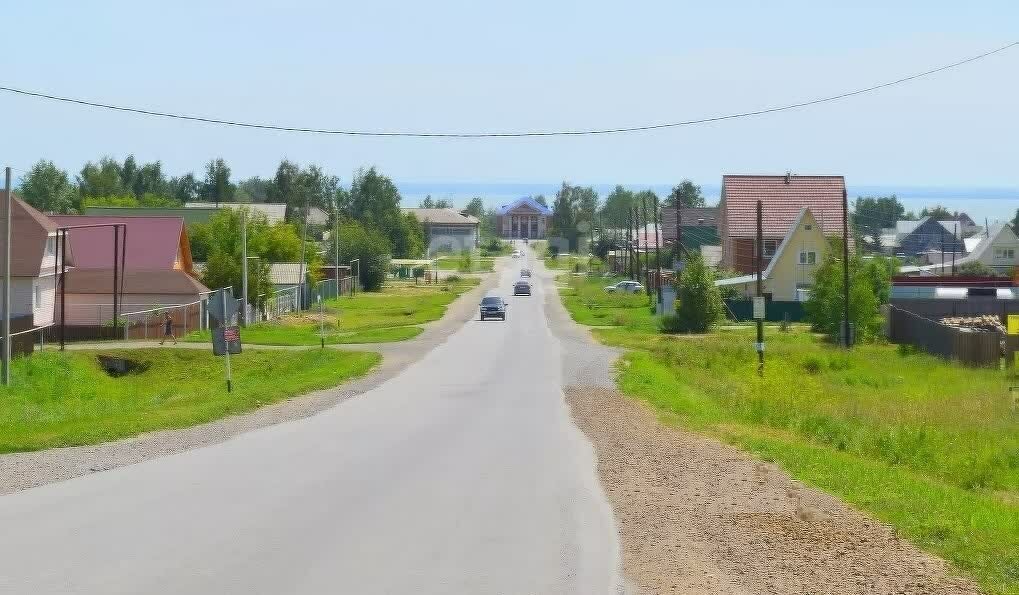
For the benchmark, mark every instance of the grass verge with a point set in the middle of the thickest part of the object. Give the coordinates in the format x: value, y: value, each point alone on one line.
x: 67, y: 399
x: 369, y: 317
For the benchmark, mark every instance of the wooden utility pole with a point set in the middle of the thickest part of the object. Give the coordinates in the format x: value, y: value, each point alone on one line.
x: 658, y: 255
x: 845, y: 268
x: 760, y: 289
x: 7, y: 279
x: 629, y: 244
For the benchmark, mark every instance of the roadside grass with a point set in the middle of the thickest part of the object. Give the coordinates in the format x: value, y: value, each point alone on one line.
x: 588, y: 303
x: 368, y: 317
x: 480, y: 264
x: 925, y: 445
x: 67, y: 399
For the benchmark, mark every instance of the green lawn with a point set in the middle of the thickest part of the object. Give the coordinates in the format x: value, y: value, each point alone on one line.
x: 587, y: 301
x: 478, y: 264
x: 66, y: 399
x: 368, y: 317
x: 923, y: 444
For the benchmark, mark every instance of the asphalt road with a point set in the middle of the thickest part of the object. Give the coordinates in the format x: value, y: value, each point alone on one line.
x: 462, y: 474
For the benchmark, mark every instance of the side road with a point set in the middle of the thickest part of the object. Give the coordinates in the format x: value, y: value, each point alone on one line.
x: 696, y: 516
x: 19, y: 471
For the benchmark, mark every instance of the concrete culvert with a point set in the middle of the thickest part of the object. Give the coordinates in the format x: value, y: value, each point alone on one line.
x: 121, y: 366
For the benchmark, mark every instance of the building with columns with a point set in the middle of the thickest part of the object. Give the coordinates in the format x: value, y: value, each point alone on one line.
x: 523, y: 218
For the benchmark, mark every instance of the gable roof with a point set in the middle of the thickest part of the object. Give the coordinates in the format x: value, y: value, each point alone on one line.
x: 786, y: 240
x: 273, y: 211
x: 986, y: 242
x: 100, y: 281
x: 441, y: 216
x: 525, y: 201
x: 782, y: 198
x: 30, y: 229
x: 153, y: 243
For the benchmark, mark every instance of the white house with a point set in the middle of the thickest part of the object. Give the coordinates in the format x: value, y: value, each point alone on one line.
x: 998, y: 250
x: 33, y: 260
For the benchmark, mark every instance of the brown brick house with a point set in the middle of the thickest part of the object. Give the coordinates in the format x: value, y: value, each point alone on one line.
x: 782, y: 197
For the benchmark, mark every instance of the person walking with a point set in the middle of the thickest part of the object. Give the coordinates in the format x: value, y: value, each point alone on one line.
x: 167, y: 328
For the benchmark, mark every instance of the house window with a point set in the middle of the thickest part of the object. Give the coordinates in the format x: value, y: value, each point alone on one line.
x: 808, y: 257
x: 808, y: 227
x: 1004, y: 254
x: 51, y: 246
x: 770, y: 247
x: 36, y: 295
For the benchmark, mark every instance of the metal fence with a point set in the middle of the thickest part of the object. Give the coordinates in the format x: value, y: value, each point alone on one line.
x: 968, y: 346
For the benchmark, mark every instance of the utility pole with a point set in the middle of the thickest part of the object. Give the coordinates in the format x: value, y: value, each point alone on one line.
x: 955, y: 246
x: 845, y: 267
x: 679, y: 232
x: 244, y: 261
x: 658, y: 255
x: 7, y: 279
x: 304, y: 236
x: 760, y: 289
x: 636, y: 235
x: 336, y: 246
x: 647, y: 262
x: 629, y: 244
x: 116, y: 261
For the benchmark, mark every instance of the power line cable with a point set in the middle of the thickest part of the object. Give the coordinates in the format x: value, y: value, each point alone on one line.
x: 535, y: 133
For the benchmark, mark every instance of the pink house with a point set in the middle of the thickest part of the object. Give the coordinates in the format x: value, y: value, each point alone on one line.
x: 157, y: 271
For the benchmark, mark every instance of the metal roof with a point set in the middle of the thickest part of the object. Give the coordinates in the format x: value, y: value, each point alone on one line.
x: 441, y: 216
x: 525, y: 201
x: 153, y: 243
x: 273, y: 211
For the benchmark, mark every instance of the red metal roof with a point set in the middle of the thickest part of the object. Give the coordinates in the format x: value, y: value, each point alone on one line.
x: 152, y: 242
x: 781, y: 197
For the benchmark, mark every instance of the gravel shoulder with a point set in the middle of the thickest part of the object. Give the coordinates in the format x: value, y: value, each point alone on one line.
x: 696, y: 516
x: 19, y: 471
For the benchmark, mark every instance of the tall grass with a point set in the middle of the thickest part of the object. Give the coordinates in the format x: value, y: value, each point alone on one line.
x: 927, y: 445
x: 65, y: 399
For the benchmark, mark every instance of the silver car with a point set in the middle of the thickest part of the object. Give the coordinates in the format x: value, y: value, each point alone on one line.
x: 625, y: 287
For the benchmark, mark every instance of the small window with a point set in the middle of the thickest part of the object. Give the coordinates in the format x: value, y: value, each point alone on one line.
x: 1004, y: 253
x: 808, y: 257
x: 770, y: 247
x: 51, y: 246
x: 808, y: 227
x: 36, y: 295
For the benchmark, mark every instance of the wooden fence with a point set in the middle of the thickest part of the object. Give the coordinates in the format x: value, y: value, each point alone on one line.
x: 969, y: 347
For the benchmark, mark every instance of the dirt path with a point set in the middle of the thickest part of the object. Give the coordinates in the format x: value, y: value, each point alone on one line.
x: 698, y: 517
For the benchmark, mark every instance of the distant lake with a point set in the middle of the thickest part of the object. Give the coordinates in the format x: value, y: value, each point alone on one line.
x: 994, y: 204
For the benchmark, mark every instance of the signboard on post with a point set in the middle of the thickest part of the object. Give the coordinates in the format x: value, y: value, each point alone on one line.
x: 226, y: 337
x: 758, y: 307
x: 1013, y: 324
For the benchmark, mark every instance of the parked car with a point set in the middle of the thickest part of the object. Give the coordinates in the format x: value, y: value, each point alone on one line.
x: 525, y: 273
x: 625, y: 287
x: 516, y: 254
x: 521, y: 288
x: 493, y: 306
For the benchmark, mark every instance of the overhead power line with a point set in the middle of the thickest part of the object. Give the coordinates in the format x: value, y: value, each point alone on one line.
x: 510, y: 134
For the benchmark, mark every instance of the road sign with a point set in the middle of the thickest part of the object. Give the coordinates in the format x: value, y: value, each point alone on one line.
x: 1013, y: 324
x: 758, y: 308
x: 223, y: 307
x: 226, y: 340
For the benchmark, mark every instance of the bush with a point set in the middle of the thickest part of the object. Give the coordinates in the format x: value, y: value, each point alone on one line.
x: 700, y: 303
x: 466, y: 263
x: 454, y: 279
x: 870, y: 285
x: 371, y: 248
x: 670, y: 323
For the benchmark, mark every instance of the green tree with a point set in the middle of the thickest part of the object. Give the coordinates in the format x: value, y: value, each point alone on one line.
x: 475, y: 208
x: 938, y: 213
x: 102, y: 179
x: 686, y: 194
x: 1015, y: 222
x: 700, y: 304
x: 47, y: 188
x: 616, y: 211
x: 442, y: 203
x: 564, y: 215
x: 587, y: 203
x: 150, y: 180
x: 375, y: 203
x: 184, y: 188
x: 253, y: 189
x: 540, y: 199
x: 871, y: 214
x: 409, y: 242
x: 128, y: 172
x: 146, y: 200
x: 976, y: 268
x: 428, y: 202
x: 370, y: 247
x: 825, y: 307
x: 217, y: 186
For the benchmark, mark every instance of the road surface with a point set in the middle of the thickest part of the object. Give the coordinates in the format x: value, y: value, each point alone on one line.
x: 463, y: 474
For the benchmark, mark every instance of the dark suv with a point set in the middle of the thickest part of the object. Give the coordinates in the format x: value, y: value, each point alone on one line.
x: 493, y: 307
x: 521, y: 288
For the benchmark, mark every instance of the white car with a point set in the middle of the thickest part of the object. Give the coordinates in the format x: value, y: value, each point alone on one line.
x: 516, y: 254
x: 625, y: 287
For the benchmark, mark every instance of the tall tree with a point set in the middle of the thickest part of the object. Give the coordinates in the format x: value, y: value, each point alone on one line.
x: 217, y: 186
x: 616, y: 211
x: 47, y: 188
x: 184, y: 188
x: 686, y: 194
x: 564, y: 215
x: 150, y: 179
x: 128, y: 171
x: 428, y: 202
x: 102, y: 179
x: 301, y: 188
x: 375, y: 203
x: 253, y: 189
x: 1015, y: 222
x: 540, y: 199
x: 871, y: 214
x: 476, y: 207
x: 938, y: 213
x: 442, y: 203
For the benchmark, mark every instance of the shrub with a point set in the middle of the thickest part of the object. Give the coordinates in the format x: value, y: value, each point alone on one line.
x: 454, y: 279
x: 466, y: 264
x: 371, y: 248
x: 813, y: 365
x: 670, y: 323
x: 700, y: 303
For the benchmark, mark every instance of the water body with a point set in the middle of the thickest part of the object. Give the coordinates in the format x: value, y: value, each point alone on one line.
x: 993, y: 204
